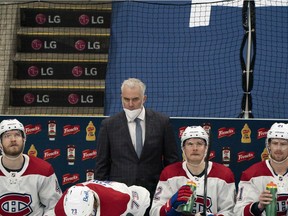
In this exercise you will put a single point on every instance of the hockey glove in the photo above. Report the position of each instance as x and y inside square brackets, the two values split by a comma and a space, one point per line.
[179, 198]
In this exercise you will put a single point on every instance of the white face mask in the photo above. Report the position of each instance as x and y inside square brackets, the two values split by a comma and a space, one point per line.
[132, 114]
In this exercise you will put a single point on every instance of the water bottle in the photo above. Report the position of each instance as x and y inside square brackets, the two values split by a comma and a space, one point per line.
[271, 209]
[187, 208]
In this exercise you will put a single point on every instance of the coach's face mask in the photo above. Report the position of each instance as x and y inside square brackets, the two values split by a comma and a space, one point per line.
[132, 114]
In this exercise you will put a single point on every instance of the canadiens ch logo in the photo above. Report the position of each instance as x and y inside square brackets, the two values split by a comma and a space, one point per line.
[15, 204]
[199, 204]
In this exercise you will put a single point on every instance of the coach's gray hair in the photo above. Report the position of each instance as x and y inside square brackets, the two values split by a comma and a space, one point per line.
[132, 83]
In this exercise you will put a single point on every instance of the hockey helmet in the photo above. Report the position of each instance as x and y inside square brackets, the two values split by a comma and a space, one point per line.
[79, 200]
[278, 130]
[194, 132]
[11, 124]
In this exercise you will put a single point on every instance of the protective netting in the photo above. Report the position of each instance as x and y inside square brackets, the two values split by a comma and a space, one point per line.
[187, 53]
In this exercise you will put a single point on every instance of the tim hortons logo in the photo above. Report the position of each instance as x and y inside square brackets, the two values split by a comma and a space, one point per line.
[225, 132]
[71, 129]
[88, 154]
[51, 153]
[32, 129]
[262, 133]
[68, 178]
[245, 156]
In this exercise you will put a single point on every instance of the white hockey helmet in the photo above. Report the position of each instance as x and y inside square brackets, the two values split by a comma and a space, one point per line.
[11, 124]
[194, 132]
[278, 131]
[79, 201]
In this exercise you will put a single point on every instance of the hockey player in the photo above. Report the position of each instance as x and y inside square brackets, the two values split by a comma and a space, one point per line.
[28, 185]
[252, 195]
[103, 198]
[172, 191]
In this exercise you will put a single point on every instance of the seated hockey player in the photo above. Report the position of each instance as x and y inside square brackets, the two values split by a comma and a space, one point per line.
[172, 191]
[103, 198]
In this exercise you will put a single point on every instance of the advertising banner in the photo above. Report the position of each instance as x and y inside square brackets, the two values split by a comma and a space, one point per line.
[41, 17]
[56, 97]
[60, 70]
[69, 143]
[56, 43]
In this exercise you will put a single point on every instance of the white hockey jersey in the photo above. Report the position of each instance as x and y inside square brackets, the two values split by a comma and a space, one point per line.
[253, 182]
[220, 188]
[32, 191]
[116, 199]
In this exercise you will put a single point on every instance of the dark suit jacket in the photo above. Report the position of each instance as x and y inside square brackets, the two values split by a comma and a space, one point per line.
[116, 157]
